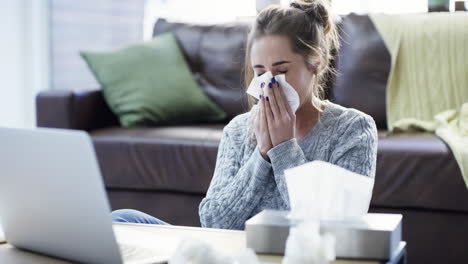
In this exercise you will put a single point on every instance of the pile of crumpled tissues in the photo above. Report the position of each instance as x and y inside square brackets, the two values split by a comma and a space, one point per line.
[304, 245]
[195, 251]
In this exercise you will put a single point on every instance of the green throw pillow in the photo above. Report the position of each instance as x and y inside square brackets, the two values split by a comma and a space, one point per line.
[151, 84]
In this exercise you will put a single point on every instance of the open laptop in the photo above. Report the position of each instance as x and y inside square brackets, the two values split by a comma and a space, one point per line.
[53, 201]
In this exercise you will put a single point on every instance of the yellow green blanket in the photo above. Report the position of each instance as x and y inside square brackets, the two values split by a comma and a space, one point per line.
[428, 83]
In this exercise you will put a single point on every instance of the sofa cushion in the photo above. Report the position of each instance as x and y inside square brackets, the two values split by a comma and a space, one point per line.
[180, 158]
[215, 54]
[150, 83]
[363, 66]
[417, 170]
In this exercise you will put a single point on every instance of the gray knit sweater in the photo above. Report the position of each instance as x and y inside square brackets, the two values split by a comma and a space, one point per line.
[244, 183]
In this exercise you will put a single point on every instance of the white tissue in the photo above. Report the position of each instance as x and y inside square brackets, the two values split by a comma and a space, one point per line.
[322, 191]
[306, 245]
[195, 251]
[291, 95]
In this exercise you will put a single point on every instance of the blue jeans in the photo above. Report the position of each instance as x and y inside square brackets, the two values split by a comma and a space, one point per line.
[134, 216]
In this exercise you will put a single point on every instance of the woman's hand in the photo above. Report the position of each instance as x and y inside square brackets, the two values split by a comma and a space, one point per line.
[261, 130]
[280, 117]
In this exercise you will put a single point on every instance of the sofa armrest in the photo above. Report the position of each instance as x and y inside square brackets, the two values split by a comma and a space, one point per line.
[82, 110]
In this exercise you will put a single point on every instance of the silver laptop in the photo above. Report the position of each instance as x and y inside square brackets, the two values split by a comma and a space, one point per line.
[53, 201]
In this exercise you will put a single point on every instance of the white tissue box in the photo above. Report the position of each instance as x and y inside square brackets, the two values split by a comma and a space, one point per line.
[376, 236]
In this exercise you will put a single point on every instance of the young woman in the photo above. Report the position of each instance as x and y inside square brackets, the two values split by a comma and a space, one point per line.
[258, 146]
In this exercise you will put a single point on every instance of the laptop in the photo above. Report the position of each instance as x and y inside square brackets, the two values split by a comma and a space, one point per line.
[53, 200]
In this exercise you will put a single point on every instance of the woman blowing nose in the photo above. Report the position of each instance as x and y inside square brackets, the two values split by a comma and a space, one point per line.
[258, 146]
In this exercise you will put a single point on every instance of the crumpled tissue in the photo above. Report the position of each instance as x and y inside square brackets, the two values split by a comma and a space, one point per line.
[306, 245]
[196, 251]
[291, 95]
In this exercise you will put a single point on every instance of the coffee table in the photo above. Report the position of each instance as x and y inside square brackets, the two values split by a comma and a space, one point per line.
[166, 238]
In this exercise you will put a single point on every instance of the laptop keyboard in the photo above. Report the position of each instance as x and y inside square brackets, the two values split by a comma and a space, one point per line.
[135, 253]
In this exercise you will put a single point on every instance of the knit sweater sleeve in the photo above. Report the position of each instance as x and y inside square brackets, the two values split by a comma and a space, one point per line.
[356, 150]
[235, 189]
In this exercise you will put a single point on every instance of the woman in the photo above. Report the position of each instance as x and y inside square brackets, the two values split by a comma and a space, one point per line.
[258, 146]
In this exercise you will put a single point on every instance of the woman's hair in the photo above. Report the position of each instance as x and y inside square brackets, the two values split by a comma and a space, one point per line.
[310, 30]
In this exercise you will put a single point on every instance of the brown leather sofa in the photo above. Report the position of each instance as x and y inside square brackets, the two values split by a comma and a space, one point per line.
[165, 171]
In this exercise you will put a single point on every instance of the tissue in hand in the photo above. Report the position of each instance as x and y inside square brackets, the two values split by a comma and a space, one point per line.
[322, 191]
[291, 95]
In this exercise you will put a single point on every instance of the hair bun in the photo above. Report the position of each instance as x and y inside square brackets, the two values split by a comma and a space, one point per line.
[316, 11]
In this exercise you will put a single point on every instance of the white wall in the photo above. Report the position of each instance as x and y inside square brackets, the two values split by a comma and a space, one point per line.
[24, 57]
[11, 63]
[200, 11]
[89, 25]
[379, 6]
